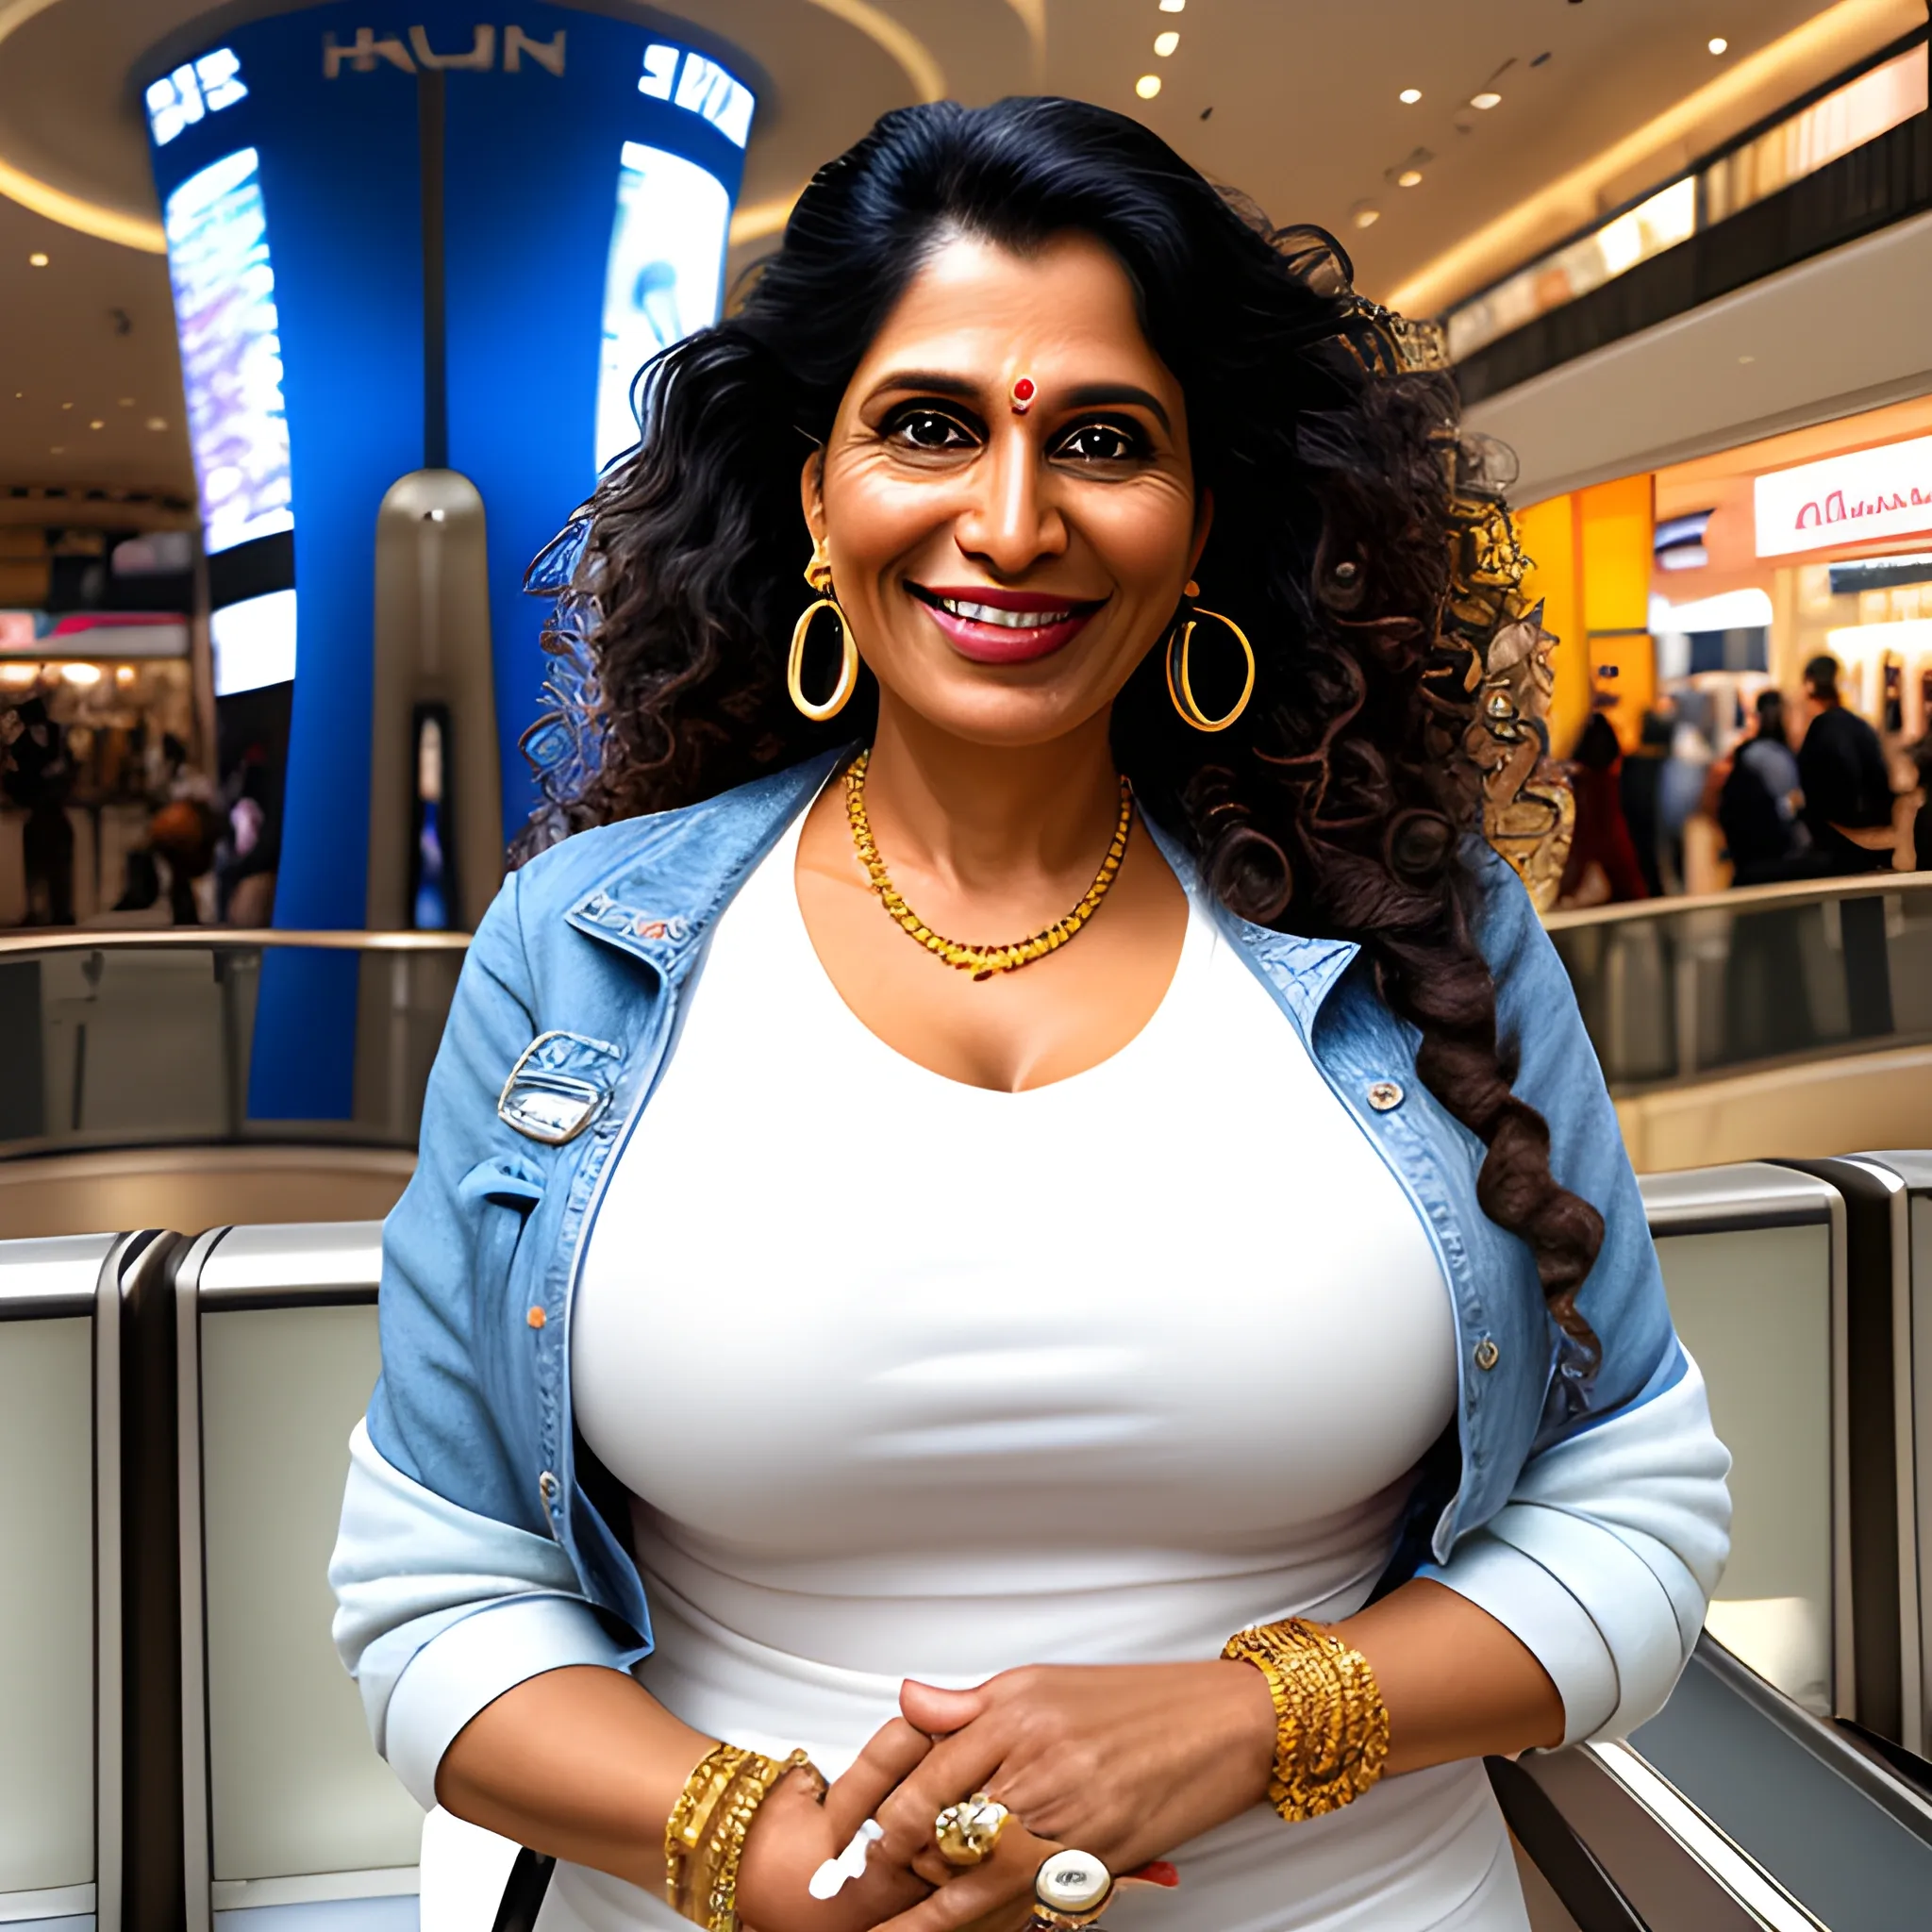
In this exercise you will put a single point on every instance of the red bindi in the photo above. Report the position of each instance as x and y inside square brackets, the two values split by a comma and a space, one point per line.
[1024, 392]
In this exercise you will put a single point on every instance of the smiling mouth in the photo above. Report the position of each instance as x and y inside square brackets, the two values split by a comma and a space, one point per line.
[1017, 628]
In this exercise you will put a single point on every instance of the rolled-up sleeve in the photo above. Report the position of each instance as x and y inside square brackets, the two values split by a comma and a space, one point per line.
[440, 1611]
[1604, 1558]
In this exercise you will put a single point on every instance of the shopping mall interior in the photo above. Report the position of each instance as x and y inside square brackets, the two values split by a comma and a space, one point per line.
[317, 323]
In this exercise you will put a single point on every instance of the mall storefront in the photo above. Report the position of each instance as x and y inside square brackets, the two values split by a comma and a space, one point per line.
[1692, 589]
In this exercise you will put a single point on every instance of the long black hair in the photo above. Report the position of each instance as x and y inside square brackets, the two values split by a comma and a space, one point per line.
[1344, 542]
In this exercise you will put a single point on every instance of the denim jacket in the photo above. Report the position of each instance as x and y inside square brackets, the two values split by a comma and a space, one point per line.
[1587, 1511]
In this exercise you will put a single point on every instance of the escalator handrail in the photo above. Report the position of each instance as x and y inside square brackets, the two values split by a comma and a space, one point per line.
[1861, 885]
[125, 939]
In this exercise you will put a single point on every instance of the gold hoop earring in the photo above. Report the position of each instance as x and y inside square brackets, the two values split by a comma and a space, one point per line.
[1179, 687]
[818, 575]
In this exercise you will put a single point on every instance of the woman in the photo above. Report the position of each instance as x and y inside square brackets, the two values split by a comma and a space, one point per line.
[954, 1360]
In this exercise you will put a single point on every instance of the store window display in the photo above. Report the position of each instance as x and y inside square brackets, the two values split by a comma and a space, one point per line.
[1022, 1220]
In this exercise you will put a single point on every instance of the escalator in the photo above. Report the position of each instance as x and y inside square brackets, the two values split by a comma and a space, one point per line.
[198, 1395]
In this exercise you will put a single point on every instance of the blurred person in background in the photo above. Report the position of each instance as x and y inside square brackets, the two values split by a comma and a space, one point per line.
[1757, 805]
[37, 773]
[1602, 868]
[1637, 790]
[1842, 769]
[1680, 793]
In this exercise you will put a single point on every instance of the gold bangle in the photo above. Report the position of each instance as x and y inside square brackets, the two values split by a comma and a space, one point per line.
[1331, 1726]
[684, 1830]
[714, 1905]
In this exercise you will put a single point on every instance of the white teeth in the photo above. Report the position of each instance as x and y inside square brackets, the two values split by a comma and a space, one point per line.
[1007, 620]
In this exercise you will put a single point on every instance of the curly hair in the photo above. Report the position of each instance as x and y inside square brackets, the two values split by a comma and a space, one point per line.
[1348, 512]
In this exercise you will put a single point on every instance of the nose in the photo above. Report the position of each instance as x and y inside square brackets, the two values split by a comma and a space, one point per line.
[1012, 521]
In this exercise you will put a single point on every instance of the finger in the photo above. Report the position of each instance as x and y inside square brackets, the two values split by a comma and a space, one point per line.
[936, 1711]
[890, 1755]
[954, 1768]
[970, 1896]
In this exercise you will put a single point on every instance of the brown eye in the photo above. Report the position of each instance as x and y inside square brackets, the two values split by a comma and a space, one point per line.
[931, 429]
[1100, 443]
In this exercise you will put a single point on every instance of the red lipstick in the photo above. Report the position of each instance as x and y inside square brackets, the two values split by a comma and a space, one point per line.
[991, 626]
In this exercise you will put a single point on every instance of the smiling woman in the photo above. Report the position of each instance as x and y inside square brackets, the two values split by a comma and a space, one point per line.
[1213, 1331]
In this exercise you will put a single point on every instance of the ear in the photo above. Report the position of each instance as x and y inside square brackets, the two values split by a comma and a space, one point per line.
[811, 496]
[1204, 522]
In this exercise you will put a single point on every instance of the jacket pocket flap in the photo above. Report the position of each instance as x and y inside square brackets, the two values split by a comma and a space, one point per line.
[561, 1083]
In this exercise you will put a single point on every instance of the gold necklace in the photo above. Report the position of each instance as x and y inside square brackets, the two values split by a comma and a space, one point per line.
[981, 962]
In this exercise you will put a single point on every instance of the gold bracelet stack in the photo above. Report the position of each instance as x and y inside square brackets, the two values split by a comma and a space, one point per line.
[1332, 1727]
[704, 1835]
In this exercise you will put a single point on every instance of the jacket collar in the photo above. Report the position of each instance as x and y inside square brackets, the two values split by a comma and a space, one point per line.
[678, 871]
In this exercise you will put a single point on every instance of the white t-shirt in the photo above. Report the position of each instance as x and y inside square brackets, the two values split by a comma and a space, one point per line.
[909, 1378]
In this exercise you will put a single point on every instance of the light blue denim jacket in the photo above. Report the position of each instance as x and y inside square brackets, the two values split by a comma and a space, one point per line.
[1590, 1514]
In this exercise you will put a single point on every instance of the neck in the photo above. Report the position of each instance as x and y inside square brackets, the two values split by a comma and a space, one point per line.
[984, 815]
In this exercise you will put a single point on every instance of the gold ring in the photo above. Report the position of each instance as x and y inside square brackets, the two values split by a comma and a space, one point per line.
[968, 1831]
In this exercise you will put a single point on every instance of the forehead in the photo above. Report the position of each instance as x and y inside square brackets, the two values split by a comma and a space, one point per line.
[978, 308]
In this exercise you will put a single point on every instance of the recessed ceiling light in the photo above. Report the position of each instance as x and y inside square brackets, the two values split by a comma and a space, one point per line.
[1409, 177]
[1720, 45]
[1409, 96]
[97, 424]
[1486, 100]
[67, 406]
[126, 402]
[37, 259]
[1164, 44]
[1174, 6]
[157, 421]
[1148, 86]
[59, 449]
[1367, 215]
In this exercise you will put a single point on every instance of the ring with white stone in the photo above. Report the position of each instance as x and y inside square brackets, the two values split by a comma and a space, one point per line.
[1070, 1889]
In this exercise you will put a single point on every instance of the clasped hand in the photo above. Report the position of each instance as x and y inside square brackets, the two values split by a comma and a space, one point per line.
[1125, 1761]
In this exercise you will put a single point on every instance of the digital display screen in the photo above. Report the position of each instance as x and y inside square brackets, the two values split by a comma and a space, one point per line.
[254, 643]
[664, 276]
[231, 352]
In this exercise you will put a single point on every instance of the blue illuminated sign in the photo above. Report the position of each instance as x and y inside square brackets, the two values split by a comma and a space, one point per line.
[197, 89]
[231, 351]
[703, 88]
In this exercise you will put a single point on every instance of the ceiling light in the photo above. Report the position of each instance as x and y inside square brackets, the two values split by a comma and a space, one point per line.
[19, 674]
[126, 402]
[1409, 96]
[1409, 177]
[67, 406]
[1720, 45]
[1148, 86]
[124, 674]
[1367, 215]
[97, 424]
[1164, 44]
[81, 674]
[157, 421]
[1174, 6]
[37, 259]
[59, 449]
[1486, 100]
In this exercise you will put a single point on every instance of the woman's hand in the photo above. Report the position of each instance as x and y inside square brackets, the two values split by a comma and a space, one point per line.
[794, 1834]
[1125, 1761]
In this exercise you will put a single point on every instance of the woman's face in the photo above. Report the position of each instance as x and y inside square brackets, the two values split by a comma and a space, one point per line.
[1003, 571]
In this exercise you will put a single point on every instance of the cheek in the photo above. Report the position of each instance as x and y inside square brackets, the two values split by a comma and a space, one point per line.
[876, 515]
[1142, 534]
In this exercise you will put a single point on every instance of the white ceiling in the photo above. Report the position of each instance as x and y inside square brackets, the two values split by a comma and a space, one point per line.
[1294, 101]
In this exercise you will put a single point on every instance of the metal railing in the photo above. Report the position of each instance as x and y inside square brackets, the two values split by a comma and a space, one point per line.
[1678, 990]
[195, 1035]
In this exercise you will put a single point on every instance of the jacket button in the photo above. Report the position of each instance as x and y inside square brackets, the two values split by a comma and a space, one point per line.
[536, 1318]
[1384, 1095]
[1487, 1353]
[546, 1488]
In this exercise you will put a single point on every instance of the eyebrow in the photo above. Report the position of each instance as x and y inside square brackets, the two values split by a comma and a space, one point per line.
[1092, 396]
